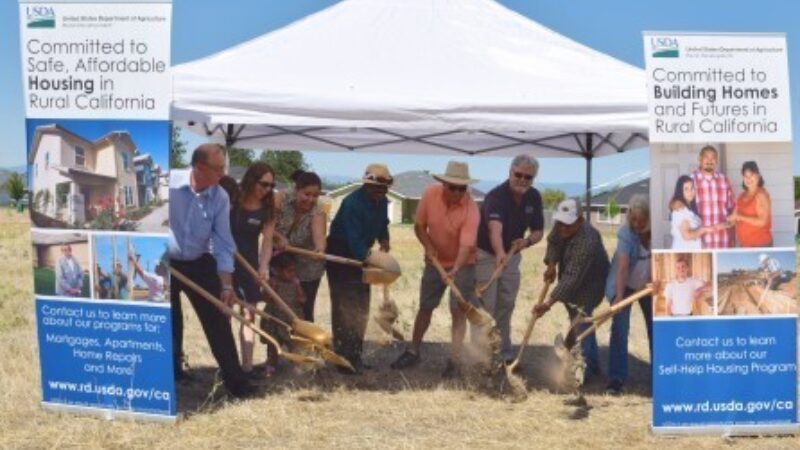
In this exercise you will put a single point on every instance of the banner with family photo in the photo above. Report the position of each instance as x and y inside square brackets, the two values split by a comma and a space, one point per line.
[96, 81]
[722, 196]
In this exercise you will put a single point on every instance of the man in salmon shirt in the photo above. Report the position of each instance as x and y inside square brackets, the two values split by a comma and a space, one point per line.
[447, 226]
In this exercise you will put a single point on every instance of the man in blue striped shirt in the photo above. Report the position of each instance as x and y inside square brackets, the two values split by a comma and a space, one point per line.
[201, 247]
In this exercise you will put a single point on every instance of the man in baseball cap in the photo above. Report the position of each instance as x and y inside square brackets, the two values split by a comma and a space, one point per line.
[577, 248]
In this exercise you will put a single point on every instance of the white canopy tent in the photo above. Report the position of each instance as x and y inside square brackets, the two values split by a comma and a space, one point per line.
[416, 76]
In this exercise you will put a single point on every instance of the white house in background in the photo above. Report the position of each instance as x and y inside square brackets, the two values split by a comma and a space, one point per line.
[72, 178]
[403, 196]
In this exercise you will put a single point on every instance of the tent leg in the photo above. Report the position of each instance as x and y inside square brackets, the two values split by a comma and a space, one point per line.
[589, 154]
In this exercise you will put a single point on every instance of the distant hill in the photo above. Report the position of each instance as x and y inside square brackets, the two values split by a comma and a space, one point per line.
[570, 189]
[331, 182]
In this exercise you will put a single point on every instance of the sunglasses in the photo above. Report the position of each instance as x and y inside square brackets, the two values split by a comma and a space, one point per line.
[455, 188]
[266, 184]
[523, 176]
[378, 179]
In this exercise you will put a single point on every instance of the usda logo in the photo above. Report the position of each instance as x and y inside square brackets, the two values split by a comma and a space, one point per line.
[664, 47]
[41, 17]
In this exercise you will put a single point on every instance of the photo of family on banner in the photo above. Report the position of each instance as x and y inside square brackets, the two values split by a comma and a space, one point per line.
[722, 196]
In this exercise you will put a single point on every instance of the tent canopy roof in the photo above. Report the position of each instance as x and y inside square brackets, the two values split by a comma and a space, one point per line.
[415, 76]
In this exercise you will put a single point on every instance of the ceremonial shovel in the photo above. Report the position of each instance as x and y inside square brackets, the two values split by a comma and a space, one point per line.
[479, 290]
[476, 316]
[307, 330]
[517, 384]
[383, 269]
[294, 357]
[569, 352]
[326, 353]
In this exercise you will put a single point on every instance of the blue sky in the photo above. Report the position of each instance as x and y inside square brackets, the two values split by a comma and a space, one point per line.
[726, 262]
[150, 248]
[149, 136]
[202, 27]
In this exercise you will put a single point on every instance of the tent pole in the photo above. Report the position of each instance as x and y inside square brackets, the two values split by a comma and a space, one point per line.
[229, 140]
[589, 155]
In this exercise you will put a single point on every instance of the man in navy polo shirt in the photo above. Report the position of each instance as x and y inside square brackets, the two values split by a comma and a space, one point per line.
[507, 212]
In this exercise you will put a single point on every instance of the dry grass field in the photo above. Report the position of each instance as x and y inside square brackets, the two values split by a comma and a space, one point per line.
[383, 409]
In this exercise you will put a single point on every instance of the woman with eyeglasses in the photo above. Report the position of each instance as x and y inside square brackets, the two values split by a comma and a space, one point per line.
[253, 217]
[301, 223]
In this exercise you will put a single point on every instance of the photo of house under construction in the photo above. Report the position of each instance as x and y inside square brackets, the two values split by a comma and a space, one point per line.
[130, 267]
[756, 282]
[682, 284]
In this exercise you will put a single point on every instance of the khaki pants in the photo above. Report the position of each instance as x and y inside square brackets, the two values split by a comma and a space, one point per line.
[500, 298]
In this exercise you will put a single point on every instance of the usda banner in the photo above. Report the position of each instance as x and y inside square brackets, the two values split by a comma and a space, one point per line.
[724, 262]
[97, 94]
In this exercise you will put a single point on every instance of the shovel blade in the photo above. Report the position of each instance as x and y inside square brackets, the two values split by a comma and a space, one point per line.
[312, 332]
[374, 275]
[335, 358]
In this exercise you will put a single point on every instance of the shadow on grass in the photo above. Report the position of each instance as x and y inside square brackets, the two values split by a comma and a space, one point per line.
[537, 368]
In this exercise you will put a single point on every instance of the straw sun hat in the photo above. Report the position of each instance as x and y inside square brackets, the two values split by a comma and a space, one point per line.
[377, 174]
[457, 173]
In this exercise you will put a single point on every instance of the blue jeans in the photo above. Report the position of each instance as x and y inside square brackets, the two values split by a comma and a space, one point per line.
[618, 345]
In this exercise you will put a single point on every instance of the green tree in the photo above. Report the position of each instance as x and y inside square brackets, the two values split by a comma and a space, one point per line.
[552, 197]
[797, 188]
[241, 157]
[15, 186]
[284, 162]
[177, 150]
[612, 209]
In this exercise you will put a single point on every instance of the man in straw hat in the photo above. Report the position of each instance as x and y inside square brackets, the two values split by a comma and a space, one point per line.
[508, 211]
[361, 220]
[583, 266]
[446, 224]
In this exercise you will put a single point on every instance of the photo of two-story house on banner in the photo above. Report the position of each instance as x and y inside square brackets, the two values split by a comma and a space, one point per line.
[102, 183]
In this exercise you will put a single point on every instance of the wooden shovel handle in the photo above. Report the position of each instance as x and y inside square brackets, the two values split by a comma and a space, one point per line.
[531, 323]
[261, 313]
[221, 305]
[465, 305]
[497, 271]
[271, 292]
[613, 311]
[324, 256]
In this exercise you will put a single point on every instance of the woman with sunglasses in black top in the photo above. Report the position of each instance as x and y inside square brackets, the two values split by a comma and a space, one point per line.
[253, 216]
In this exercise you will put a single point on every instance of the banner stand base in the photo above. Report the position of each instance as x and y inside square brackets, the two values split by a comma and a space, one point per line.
[108, 414]
[727, 430]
